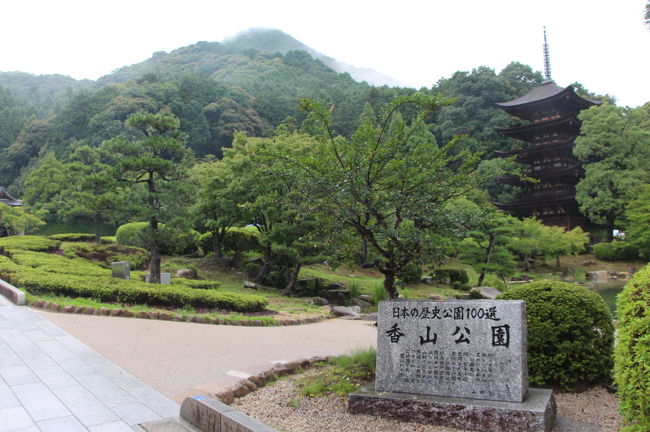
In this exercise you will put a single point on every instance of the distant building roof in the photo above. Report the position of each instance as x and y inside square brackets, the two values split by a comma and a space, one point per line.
[5, 198]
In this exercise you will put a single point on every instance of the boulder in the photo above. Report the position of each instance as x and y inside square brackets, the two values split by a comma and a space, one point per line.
[320, 301]
[249, 284]
[487, 292]
[351, 312]
[436, 297]
[365, 297]
[361, 303]
[186, 273]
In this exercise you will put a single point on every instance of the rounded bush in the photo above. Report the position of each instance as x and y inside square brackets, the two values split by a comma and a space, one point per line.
[570, 333]
[171, 242]
[237, 239]
[632, 353]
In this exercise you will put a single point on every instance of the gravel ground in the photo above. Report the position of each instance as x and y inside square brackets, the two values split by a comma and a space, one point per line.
[279, 405]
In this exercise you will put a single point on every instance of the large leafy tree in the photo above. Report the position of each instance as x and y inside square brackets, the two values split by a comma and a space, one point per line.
[15, 220]
[155, 160]
[637, 227]
[614, 151]
[385, 182]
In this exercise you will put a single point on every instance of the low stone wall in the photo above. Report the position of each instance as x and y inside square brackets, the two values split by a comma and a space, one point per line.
[12, 293]
[210, 415]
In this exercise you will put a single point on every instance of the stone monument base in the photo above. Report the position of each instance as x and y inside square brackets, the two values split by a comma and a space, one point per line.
[535, 414]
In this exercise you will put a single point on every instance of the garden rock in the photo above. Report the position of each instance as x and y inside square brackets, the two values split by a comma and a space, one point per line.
[488, 292]
[365, 297]
[436, 297]
[320, 301]
[361, 303]
[186, 273]
[351, 312]
[249, 284]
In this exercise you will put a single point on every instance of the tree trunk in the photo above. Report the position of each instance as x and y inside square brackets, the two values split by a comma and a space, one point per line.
[97, 223]
[481, 275]
[293, 280]
[557, 260]
[154, 266]
[363, 253]
[389, 284]
[266, 267]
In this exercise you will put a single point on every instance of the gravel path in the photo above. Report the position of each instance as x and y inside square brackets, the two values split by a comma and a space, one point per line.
[280, 406]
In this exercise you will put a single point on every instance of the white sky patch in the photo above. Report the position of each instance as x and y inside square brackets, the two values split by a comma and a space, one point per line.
[600, 43]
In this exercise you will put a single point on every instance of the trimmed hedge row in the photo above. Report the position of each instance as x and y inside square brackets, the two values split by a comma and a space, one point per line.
[237, 239]
[131, 292]
[73, 237]
[30, 243]
[57, 264]
[632, 352]
[103, 254]
[570, 333]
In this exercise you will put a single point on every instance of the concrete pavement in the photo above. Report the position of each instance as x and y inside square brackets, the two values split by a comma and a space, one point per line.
[52, 382]
[182, 359]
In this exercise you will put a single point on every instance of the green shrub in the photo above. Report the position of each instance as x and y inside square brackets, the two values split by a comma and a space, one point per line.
[108, 239]
[632, 352]
[52, 263]
[132, 292]
[105, 254]
[73, 237]
[31, 243]
[172, 242]
[456, 277]
[237, 239]
[616, 251]
[570, 333]
[411, 273]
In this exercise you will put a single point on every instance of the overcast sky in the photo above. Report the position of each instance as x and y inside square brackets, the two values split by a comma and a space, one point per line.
[601, 43]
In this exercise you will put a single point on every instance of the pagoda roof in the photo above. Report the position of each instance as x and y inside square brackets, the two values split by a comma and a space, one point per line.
[524, 132]
[5, 198]
[547, 93]
[539, 148]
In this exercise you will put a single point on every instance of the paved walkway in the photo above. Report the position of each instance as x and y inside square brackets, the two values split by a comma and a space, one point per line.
[184, 359]
[52, 382]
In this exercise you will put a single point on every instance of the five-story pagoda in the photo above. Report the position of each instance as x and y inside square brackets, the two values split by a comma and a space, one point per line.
[551, 112]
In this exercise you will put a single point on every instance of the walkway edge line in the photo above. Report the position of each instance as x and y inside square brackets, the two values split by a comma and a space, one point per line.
[210, 415]
[12, 293]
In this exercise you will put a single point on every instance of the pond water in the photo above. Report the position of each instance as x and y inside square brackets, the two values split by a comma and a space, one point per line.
[608, 290]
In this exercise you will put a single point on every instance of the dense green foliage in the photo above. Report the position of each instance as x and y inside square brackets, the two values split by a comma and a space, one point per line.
[637, 226]
[105, 254]
[570, 333]
[616, 251]
[171, 241]
[632, 352]
[68, 275]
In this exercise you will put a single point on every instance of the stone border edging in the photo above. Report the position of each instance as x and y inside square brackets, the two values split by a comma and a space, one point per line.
[199, 319]
[210, 415]
[252, 383]
[12, 293]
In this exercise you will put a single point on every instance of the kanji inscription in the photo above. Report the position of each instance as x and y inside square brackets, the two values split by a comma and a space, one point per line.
[474, 349]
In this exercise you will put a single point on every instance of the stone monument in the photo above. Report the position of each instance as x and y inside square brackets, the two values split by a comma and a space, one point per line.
[121, 270]
[455, 363]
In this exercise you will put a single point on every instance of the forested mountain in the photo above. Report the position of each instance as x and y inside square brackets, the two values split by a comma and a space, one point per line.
[250, 83]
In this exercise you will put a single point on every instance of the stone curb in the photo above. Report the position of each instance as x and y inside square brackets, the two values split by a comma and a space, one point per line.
[12, 293]
[253, 382]
[210, 415]
[167, 316]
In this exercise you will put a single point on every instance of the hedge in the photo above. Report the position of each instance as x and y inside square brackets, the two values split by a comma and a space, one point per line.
[570, 333]
[108, 289]
[57, 264]
[105, 254]
[632, 352]
[31, 243]
[73, 237]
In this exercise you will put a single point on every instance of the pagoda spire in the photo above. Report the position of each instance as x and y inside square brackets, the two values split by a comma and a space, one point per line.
[547, 59]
